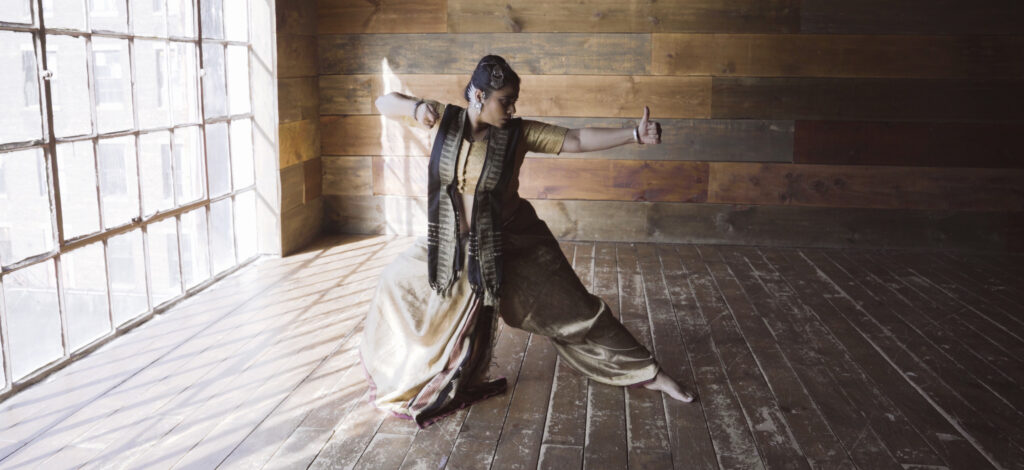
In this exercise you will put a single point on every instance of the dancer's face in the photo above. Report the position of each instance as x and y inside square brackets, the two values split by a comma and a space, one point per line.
[499, 106]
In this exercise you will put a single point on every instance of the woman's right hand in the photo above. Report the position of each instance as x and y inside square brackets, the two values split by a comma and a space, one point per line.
[426, 115]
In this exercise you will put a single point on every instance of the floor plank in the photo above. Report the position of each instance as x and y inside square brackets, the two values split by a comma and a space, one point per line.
[801, 358]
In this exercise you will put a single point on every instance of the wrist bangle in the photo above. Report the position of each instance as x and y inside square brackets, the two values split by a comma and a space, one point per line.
[416, 108]
[636, 135]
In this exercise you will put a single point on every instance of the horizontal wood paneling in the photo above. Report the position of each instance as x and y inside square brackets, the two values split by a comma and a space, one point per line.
[348, 176]
[312, 170]
[980, 145]
[292, 187]
[534, 53]
[296, 17]
[873, 187]
[682, 139]
[556, 178]
[817, 55]
[623, 16]
[695, 139]
[301, 225]
[866, 99]
[717, 223]
[372, 135]
[299, 141]
[297, 99]
[296, 55]
[376, 214]
[613, 180]
[540, 95]
[400, 176]
[911, 17]
[391, 16]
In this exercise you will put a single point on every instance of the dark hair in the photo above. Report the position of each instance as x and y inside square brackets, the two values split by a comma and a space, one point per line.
[492, 73]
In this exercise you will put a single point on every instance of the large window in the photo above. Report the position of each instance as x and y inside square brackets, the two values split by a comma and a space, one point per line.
[126, 166]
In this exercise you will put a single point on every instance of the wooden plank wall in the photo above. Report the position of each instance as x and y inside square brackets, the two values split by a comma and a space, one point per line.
[301, 169]
[787, 122]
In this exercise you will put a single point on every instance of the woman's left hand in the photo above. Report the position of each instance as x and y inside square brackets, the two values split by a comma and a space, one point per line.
[649, 131]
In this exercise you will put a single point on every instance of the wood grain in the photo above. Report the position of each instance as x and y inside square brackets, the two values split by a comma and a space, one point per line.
[296, 55]
[860, 186]
[867, 99]
[911, 17]
[823, 364]
[801, 413]
[348, 176]
[298, 99]
[542, 95]
[297, 17]
[292, 190]
[936, 144]
[372, 135]
[613, 180]
[301, 225]
[617, 16]
[532, 53]
[299, 141]
[312, 170]
[828, 55]
[391, 16]
[550, 178]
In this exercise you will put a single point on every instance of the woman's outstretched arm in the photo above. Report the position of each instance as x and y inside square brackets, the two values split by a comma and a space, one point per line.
[590, 139]
[396, 104]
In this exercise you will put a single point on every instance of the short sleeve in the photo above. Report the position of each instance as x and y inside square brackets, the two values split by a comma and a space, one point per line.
[543, 138]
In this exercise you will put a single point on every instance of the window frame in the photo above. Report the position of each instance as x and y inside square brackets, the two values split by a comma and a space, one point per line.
[48, 143]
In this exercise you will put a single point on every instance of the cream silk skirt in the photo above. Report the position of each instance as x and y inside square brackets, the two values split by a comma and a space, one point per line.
[426, 355]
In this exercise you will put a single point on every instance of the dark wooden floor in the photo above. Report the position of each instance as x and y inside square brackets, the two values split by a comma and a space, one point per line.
[801, 358]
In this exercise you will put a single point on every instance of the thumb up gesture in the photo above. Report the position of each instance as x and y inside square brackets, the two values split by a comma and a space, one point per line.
[648, 132]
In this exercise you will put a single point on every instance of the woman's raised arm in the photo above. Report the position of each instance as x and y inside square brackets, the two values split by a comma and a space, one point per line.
[396, 104]
[589, 139]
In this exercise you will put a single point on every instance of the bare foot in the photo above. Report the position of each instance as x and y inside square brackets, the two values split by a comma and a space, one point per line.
[663, 383]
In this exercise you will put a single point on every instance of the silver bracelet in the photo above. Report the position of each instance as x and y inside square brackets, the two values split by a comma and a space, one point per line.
[636, 135]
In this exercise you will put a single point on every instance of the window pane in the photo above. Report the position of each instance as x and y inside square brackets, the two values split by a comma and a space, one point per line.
[195, 259]
[68, 14]
[238, 79]
[149, 18]
[119, 182]
[236, 19]
[212, 16]
[163, 256]
[77, 170]
[21, 119]
[245, 224]
[33, 318]
[214, 93]
[181, 21]
[108, 15]
[184, 83]
[85, 295]
[222, 237]
[15, 11]
[26, 218]
[189, 177]
[152, 84]
[112, 82]
[218, 162]
[127, 276]
[72, 113]
[157, 177]
[241, 153]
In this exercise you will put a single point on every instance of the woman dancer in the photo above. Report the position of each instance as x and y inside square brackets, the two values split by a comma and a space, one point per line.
[429, 331]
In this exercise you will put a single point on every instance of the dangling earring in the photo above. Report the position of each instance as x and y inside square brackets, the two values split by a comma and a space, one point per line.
[477, 105]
